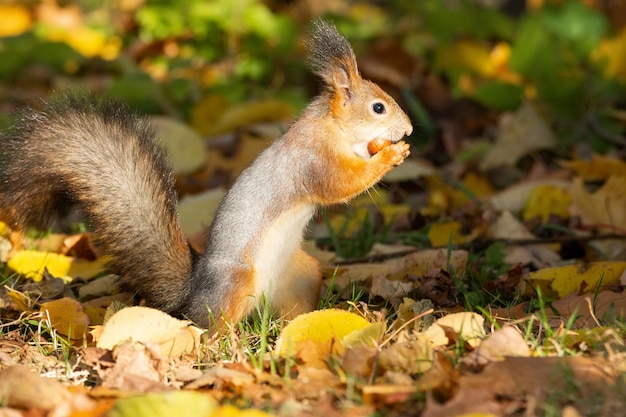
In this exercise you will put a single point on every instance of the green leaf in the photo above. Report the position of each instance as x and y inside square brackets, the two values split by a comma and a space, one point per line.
[499, 95]
[580, 26]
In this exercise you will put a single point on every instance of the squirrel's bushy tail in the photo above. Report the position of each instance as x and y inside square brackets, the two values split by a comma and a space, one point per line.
[99, 155]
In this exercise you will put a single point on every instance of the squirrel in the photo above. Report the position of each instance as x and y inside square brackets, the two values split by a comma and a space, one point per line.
[100, 155]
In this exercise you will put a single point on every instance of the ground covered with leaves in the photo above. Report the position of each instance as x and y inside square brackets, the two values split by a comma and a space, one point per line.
[484, 277]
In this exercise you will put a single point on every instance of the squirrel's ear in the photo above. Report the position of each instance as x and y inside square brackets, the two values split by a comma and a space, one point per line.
[331, 57]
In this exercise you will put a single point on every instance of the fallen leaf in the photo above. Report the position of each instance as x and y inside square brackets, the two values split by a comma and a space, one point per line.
[518, 377]
[600, 304]
[602, 207]
[599, 168]
[507, 226]
[138, 367]
[196, 211]
[21, 388]
[325, 328]
[220, 374]
[449, 233]
[174, 337]
[507, 341]
[468, 326]
[578, 278]
[415, 355]
[33, 263]
[67, 316]
[174, 403]
[514, 198]
[369, 335]
[520, 134]
[184, 147]
[547, 200]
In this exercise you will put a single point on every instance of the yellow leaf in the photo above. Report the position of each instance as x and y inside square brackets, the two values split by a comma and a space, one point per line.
[547, 200]
[325, 328]
[32, 263]
[369, 335]
[90, 42]
[466, 55]
[14, 19]
[213, 115]
[174, 337]
[599, 168]
[612, 52]
[21, 300]
[67, 316]
[232, 411]
[476, 185]
[443, 234]
[563, 280]
[174, 403]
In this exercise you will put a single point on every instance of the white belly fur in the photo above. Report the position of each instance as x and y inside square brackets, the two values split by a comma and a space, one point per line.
[277, 247]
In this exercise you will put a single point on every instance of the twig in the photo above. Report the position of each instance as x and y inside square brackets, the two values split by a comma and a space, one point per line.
[484, 243]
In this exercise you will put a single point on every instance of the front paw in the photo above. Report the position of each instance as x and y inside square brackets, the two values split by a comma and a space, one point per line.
[395, 153]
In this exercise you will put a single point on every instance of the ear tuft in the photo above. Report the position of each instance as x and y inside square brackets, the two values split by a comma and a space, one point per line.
[331, 57]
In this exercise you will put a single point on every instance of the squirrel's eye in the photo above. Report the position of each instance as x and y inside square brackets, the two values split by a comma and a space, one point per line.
[378, 108]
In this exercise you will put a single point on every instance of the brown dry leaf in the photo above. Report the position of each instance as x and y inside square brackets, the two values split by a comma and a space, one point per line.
[516, 377]
[519, 134]
[469, 327]
[184, 147]
[21, 388]
[603, 209]
[588, 306]
[220, 375]
[416, 354]
[358, 361]
[105, 285]
[387, 393]
[507, 341]
[314, 383]
[508, 226]
[67, 316]
[395, 271]
[174, 337]
[138, 367]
